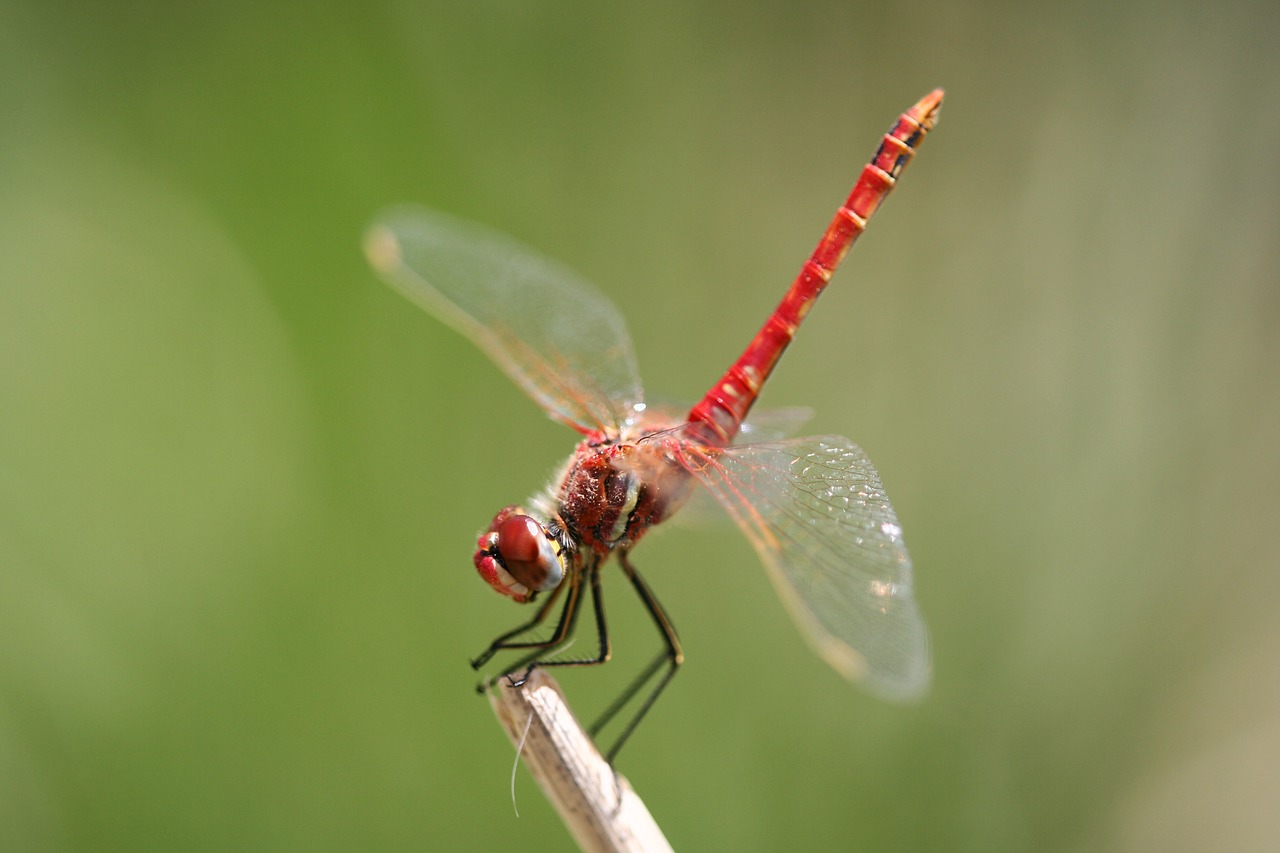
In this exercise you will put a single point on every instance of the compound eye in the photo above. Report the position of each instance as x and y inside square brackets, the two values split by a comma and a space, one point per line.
[518, 539]
[529, 554]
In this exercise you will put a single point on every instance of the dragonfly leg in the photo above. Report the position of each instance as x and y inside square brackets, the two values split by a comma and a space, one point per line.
[672, 656]
[564, 630]
[535, 660]
[502, 641]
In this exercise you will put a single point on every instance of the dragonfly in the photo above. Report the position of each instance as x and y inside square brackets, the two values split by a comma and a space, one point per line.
[814, 509]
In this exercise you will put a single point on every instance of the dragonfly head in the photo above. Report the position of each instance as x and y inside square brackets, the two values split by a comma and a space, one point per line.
[519, 556]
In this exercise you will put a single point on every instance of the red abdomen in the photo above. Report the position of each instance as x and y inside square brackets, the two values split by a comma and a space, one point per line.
[717, 419]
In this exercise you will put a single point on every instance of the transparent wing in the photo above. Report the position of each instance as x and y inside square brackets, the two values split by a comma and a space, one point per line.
[700, 509]
[557, 336]
[772, 424]
[764, 424]
[817, 515]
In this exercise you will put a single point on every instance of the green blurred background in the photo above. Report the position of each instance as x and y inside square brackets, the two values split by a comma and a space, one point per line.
[240, 478]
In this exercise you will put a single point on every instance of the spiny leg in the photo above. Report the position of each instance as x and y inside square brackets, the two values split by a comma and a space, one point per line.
[532, 662]
[500, 643]
[564, 629]
[672, 656]
[628, 693]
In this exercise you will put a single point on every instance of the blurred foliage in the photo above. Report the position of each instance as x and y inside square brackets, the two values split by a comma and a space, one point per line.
[239, 479]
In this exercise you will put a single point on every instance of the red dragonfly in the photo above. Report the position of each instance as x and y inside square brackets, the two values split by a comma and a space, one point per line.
[813, 508]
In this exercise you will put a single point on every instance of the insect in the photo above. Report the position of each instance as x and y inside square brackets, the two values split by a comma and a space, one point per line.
[813, 508]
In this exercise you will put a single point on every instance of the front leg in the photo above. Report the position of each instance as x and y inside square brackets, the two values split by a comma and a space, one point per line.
[531, 662]
[500, 643]
[564, 629]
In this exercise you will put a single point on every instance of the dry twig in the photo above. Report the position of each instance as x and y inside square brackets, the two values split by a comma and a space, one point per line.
[595, 802]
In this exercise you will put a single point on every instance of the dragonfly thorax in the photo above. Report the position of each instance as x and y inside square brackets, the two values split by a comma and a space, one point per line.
[610, 493]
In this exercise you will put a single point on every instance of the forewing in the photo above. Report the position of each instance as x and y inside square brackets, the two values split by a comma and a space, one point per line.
[557, 336]
[818, 516]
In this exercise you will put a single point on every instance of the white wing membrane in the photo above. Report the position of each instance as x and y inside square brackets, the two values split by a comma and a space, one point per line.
[818, 516]
[553, 333]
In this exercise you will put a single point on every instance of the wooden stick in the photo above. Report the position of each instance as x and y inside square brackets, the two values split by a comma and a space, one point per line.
[595, 802]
